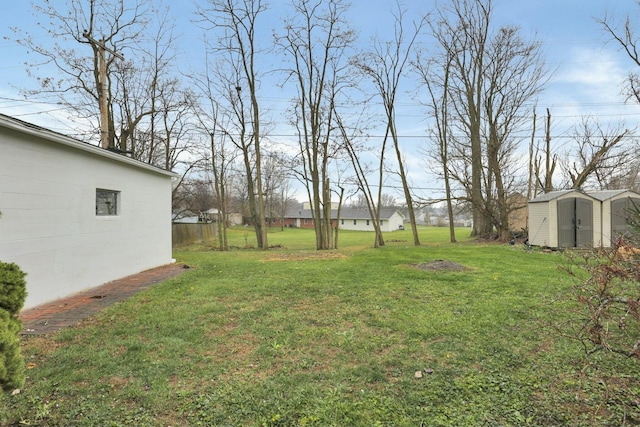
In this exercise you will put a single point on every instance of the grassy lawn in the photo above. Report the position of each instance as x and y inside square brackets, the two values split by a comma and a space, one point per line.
[295, 337]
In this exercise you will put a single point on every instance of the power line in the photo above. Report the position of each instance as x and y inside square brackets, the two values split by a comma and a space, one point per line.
[38, 112]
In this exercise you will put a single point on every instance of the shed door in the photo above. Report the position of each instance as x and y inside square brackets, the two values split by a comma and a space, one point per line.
[584, 223]
[566, 223]
[621, 214]
[575, 223]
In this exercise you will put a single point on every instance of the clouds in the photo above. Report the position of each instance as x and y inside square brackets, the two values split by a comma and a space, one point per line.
[589, 82]
[592, 67]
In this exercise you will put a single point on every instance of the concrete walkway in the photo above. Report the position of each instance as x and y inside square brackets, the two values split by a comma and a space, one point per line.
[69, 311]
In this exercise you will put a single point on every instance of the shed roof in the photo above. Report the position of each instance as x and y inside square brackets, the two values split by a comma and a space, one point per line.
[552, 195]
[610, 194]
[16, 125]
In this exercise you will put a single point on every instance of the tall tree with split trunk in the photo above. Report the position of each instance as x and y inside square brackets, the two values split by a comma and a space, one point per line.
[84, 80]
[316, 41]
[494, 73]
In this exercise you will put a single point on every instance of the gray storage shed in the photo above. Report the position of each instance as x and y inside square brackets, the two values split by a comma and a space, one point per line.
[615, 206]
[565, 219]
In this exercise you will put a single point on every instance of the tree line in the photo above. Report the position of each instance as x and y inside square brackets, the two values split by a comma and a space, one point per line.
[476, 82]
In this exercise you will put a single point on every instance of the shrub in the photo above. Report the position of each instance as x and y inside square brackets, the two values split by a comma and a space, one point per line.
[12, 295]
[610, 299]
[13, 290]
[11, 362]
[606, 316]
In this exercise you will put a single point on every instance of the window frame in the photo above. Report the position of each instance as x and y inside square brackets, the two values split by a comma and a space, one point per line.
[110, 201]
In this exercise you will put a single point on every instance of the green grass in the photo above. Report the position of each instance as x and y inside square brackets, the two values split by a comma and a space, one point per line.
[295, 337]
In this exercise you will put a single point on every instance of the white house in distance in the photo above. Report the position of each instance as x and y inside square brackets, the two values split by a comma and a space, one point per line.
[75, 216]
[573, 218]
[357, 219]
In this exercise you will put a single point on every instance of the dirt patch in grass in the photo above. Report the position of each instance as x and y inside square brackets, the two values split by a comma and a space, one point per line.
[303, 256]
[440, 265]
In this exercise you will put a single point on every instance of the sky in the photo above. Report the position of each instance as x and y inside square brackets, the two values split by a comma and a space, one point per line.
[588, 69]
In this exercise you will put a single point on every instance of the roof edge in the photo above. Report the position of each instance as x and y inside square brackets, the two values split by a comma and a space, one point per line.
[47, 134]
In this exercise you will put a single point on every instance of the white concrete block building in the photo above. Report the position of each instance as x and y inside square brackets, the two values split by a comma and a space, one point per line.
[75, 216]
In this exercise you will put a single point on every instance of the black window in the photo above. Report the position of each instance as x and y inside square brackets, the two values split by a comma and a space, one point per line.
[107, 202]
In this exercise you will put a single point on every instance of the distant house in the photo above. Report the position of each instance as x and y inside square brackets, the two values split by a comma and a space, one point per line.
[75, 216]
[350, 218]
[211, 215]
[573, 218]
[185, 217]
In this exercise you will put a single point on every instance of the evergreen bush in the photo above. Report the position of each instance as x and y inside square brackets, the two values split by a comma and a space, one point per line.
[13, 290]
[12, 373]
[12, 295]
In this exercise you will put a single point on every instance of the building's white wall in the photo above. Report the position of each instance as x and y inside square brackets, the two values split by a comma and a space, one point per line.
[360, 225]
[388, 224]
[394, 223]
[539, 224]
[49, 227]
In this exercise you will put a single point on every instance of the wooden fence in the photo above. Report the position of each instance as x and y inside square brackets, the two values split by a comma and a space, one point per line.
[186, 234]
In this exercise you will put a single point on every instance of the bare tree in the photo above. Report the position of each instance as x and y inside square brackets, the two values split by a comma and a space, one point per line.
[626, 36]
[277, 186]
[210, 125]
[385, 65]
[315, 39]
[139, 83]
[138, 92]
[462, 31]
[238, 21]
[366, 197]
[493, 74]
[550, 160]
[194, 196]
[437, 84]
[598, 154]
[515, 74]
[114, 25]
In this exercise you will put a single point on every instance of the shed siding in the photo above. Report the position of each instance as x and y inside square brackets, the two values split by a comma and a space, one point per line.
[608, 213]
[49, 226]
[539, 224]
[543, 218]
